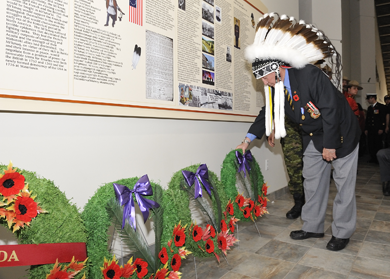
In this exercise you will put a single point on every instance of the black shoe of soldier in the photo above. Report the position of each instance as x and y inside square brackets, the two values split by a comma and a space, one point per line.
[299, 235]
[337, 244]
[294, 213]
[296, 210]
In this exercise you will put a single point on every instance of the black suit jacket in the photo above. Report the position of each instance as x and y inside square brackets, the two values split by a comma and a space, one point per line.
[376, 118]
[336, 128]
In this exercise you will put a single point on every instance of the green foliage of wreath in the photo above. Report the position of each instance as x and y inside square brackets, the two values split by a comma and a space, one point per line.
[97, 221]
[61, 224]
[228, 178]
[176, 209]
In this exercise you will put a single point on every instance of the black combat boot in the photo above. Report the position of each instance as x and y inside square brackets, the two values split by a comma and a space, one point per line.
[296, 210]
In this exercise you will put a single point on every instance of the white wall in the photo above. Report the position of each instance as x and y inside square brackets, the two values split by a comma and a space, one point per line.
[290, 7]
[80, 153]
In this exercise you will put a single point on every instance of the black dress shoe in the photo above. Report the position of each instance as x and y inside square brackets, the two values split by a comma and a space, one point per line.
[386, 188]
[337, 244]
[298, 235]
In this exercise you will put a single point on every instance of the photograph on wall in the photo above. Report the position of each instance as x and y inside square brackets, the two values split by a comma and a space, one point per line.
[159, 66]
[182, 4]
[236, 33]
[228, 54]
[211, 2]
[207, 62]
[208, 77]
[207, 45]
[185, 96]
[207, 12]
[207, 29]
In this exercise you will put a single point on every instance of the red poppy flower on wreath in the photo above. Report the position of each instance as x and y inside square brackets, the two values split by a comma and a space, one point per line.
[240, 200]
[225, 241]
[231, 226]
[179, 236]
[141, 267]
[264, 189]
[209, 246]
[223, 225]
[230, 208]
[11, 183]
[197, 233]
[222, 245]
[111, 270]
[262, 201]
[163, 255]
[176, 262]
[251, 205]
[161, 273]
[212, 230]
[257, 210]
[25, 209]
[247, 212]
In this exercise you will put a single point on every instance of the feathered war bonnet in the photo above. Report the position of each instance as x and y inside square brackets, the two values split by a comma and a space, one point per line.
[285, 42]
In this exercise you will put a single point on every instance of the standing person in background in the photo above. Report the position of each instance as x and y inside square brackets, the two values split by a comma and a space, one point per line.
[375, 126]
[352, 90]
[386, 137]
[330, 131]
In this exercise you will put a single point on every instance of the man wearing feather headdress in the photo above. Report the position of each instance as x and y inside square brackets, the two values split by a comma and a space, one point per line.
[282, 55]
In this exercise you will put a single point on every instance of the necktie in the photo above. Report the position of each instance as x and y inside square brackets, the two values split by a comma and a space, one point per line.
[288, 98]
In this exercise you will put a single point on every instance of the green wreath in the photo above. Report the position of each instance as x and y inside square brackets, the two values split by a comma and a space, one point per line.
[61, 224]
[228, 178]
[176, 208]
[97, 220]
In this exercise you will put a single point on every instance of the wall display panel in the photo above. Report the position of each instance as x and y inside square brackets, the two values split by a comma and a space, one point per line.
[147, 58]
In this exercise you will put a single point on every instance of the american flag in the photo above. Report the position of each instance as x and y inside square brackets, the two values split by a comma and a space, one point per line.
[135, 12]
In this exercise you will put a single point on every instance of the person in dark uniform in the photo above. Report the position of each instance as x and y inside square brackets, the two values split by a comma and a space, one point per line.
[387, 128]
[330, 130]
[375, 126]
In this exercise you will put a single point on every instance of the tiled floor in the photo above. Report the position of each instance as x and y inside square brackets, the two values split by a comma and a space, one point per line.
[275, 255]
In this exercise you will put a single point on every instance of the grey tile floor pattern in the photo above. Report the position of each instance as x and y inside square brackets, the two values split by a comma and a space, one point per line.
[275, 255]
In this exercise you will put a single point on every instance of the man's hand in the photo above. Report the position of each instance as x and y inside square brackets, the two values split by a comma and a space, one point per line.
[329, 154]
[366, 132]
[380, 132]
[243, 146]
[271, 139]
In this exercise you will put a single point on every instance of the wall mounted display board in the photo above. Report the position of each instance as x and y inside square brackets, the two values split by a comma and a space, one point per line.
[144, 58]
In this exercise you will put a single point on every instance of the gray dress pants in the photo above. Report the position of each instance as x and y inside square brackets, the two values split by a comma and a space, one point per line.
[316, 172]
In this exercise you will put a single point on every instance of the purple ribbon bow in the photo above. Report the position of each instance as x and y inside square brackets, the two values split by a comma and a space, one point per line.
[125, 197]
[201, 174]
[243, 161]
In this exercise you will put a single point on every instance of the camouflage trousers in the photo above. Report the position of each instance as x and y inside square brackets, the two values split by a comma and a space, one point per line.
[292, 150]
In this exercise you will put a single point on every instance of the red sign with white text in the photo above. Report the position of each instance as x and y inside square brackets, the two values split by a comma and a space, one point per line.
[36, 254]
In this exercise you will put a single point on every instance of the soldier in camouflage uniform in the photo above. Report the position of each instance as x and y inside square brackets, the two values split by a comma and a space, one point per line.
[292, 150]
